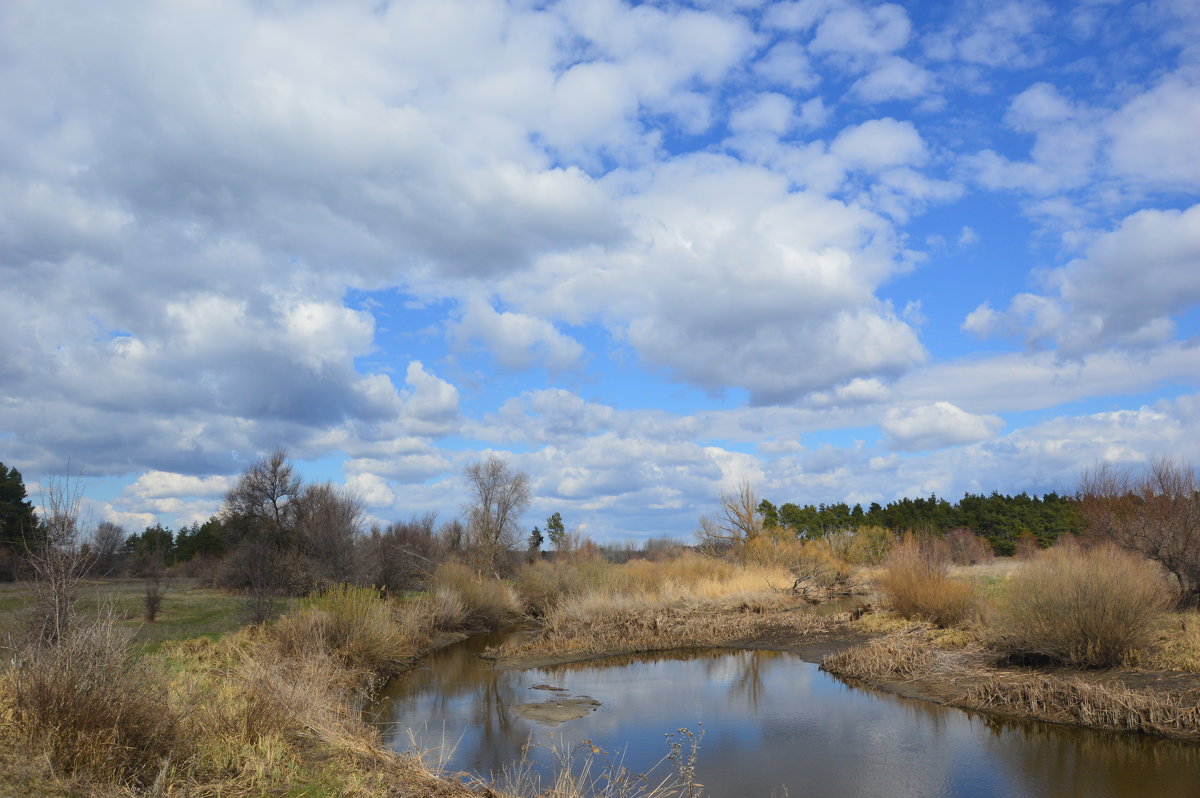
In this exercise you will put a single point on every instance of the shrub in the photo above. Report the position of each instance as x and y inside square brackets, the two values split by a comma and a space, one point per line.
[90, 707]
[871, 545]
[543, 584]
[967, 548]
[917, 584]
[1086, 608]
[488, 601]
[353, 624]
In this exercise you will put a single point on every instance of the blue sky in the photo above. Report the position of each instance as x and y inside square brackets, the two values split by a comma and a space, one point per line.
[843, 250]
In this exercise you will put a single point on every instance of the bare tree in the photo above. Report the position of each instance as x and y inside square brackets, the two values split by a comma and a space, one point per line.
[265, 496]
[738, 521]
[1156, 513]
[58, 561]
[327, 525]
[499, 497]
[106, 543]
[259, 517]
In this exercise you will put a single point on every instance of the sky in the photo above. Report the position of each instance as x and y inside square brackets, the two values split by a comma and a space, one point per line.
[844, 251]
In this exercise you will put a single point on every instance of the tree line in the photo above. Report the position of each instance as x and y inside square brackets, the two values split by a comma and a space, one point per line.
[1002, 520]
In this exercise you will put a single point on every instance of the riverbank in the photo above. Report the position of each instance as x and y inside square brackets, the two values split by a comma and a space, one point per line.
[878, 650]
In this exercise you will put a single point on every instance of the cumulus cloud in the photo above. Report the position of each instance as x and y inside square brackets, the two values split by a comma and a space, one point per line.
[516, 340]
[1124, 290]
[935, 426]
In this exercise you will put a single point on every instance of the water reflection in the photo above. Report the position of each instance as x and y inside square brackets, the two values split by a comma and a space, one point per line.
[773, 723]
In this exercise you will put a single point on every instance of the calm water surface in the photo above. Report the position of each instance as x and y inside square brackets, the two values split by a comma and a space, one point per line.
[773, 725]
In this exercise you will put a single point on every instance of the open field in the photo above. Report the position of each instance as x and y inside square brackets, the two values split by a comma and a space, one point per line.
[188, 610]
[240, 711]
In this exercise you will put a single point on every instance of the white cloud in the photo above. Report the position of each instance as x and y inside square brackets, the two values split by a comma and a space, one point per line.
[1153, 136]
[881, 29]
[515, 339]
[768, 112]
[787, 65]
[1006, 35]
[1124, 290]
[879, 144]
[936, 426]
[894, 78]
[162, 484]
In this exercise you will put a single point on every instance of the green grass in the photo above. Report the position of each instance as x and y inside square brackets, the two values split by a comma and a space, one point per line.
[188, 610]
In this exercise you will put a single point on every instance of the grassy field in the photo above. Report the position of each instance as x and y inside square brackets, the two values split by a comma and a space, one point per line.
[188, 610]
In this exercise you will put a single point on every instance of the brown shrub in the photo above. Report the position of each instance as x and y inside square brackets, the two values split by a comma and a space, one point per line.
[542, 584]
[967, 548]
[90, 707]
[917, 584]
[1082, 607]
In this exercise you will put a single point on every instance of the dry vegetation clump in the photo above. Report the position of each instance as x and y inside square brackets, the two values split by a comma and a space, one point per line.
[967, 548]
[917, 583]
[596, 624]
[488, 602]
[89, 706]
[543, 583]
[1089, 608]
[897, 656]
[655, 605]
[1095, 705]
[1175, 645]
[353, 624]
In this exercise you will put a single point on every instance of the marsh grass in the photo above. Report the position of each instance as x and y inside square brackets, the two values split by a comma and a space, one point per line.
[1078, 701]
[1089, 608]
[487, 602]
[1175, 644]
[895, 657]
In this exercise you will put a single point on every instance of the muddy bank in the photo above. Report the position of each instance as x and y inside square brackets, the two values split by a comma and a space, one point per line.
[914, 662]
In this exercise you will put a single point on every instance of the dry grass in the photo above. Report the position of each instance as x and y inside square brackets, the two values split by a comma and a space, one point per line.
[1081, 607]
[917, 584]
[487, 602]
[353, 624]
[87, 705]
[676, 603]
[1095, 705]
[898, 656]
[1175, 645]
[598, 625]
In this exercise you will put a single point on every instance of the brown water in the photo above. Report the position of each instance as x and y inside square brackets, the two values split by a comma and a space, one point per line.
[773, 725]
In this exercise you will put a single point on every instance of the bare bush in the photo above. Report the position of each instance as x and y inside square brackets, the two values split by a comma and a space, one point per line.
[738, 521]
[327, 526]
[1081, 607]
[1156, 513]
[967, 548]
[92, 708]
[105, 546]
[58, 561]
[402, 556]
[917, 583]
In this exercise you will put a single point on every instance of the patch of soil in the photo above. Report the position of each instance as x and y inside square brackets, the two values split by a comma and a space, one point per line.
[554, 711]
